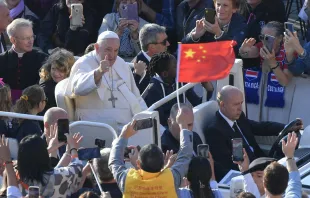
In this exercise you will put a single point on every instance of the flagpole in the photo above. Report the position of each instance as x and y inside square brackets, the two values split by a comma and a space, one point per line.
[178, 69]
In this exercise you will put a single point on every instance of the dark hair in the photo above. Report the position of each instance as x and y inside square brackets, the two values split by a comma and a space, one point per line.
[30, 99]
[89, 194]
[89, 48]
[151, 158]
[62, 59]
[245, 195]
[33, 160]
[275, 178]
[159, 63]
[199, 175]
[277, 26]
[101, 166]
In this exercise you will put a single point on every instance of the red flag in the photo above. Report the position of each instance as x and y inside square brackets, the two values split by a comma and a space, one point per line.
[202, 62]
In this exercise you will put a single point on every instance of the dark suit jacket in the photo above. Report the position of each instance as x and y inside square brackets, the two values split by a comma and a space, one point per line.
[218, 135]
[2, 43]
[145, 82]
[168, 142]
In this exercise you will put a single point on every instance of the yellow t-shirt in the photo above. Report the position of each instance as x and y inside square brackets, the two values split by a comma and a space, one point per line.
[141, 184]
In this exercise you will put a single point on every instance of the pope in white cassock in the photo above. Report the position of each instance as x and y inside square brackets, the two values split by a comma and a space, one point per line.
[103, 85]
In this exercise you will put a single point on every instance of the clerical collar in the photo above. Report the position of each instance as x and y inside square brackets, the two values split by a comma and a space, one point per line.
[229, 121]
[20, 55]
[146, 56]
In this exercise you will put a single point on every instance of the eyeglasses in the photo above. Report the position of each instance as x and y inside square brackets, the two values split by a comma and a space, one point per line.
[29, 38]
[164, 42]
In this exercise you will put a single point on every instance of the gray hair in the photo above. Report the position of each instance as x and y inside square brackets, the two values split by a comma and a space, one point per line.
[101, 166]
[16, 24]
[148, 34]
[175, 108]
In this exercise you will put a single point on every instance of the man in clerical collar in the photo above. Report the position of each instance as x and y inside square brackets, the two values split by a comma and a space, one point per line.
[170, 140]
[20, 65]
[5, 20]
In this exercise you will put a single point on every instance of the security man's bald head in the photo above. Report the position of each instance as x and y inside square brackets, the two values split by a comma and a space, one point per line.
[53, 114]
[230, 100]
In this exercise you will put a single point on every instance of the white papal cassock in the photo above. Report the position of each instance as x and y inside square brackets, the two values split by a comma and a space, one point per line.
[94, 102]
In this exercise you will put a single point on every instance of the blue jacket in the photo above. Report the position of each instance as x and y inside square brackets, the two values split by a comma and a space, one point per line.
[301, 64]
[236, 31]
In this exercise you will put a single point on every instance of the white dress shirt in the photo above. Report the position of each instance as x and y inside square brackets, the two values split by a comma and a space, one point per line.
[231, 124]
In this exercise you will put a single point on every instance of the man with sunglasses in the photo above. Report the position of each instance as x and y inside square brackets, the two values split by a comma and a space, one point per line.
[153, 40]
[20, 65]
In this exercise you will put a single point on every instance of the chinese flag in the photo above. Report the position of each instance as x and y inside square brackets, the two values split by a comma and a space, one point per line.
[202, 62]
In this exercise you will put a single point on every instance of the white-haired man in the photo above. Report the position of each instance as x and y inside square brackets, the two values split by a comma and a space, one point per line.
[103, 84]
[5, 20]
[20, 65]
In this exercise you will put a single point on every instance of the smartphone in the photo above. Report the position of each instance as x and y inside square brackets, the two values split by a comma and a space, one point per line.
[33, 192]
[63, 128]
[143, 124]
[203, 150]
[128, 150]
[89, 153]
[76, 14]
[289, 26]
[130, 11]
[210, 15]
[237, 149]
[269, 42]
[100, 143]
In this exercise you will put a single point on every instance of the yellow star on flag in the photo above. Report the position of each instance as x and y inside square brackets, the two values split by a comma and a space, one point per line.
[204, 51]
[189, 53]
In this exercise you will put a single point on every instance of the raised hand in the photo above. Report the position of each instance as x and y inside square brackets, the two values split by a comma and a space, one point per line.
[5, 154]
[104, 65]
[199, 30]
[243, 165]
[139, 68]
[247, 45]
[128, 130]
[123, 23]
[213, 28]
[268, 57]
[288, 147]
[54, 144]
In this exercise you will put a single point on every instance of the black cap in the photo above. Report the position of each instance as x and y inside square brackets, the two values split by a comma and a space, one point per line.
[259, 164]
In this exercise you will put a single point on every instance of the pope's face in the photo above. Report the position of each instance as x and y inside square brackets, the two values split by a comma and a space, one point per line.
[109, 47]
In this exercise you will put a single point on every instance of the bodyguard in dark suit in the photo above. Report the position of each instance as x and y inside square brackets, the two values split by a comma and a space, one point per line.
[230, 122]
[153, 40]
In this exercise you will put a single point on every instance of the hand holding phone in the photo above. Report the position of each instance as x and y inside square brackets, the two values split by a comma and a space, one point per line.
[210, 15]
[63, 128]
[143, 124]
[289, 27]
[269, 42]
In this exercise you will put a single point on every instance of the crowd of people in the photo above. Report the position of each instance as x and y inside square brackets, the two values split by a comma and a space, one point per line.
[116, 65]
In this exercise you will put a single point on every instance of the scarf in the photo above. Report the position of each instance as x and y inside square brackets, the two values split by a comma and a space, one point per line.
[275, 91]
[14, 12]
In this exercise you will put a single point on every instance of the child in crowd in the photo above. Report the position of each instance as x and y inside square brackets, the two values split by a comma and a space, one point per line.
[32, 102]
[5, 105]
[162, 69]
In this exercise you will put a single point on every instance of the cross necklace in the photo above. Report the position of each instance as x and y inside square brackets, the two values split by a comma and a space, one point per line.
[112, 99]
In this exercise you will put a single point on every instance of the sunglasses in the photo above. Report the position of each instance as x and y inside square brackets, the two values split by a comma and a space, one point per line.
[164, 42]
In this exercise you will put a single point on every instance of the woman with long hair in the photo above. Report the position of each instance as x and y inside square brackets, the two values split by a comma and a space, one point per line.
[56, 68]
[5, 105]
[31, 102]
[34, 166]
[201, 179]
